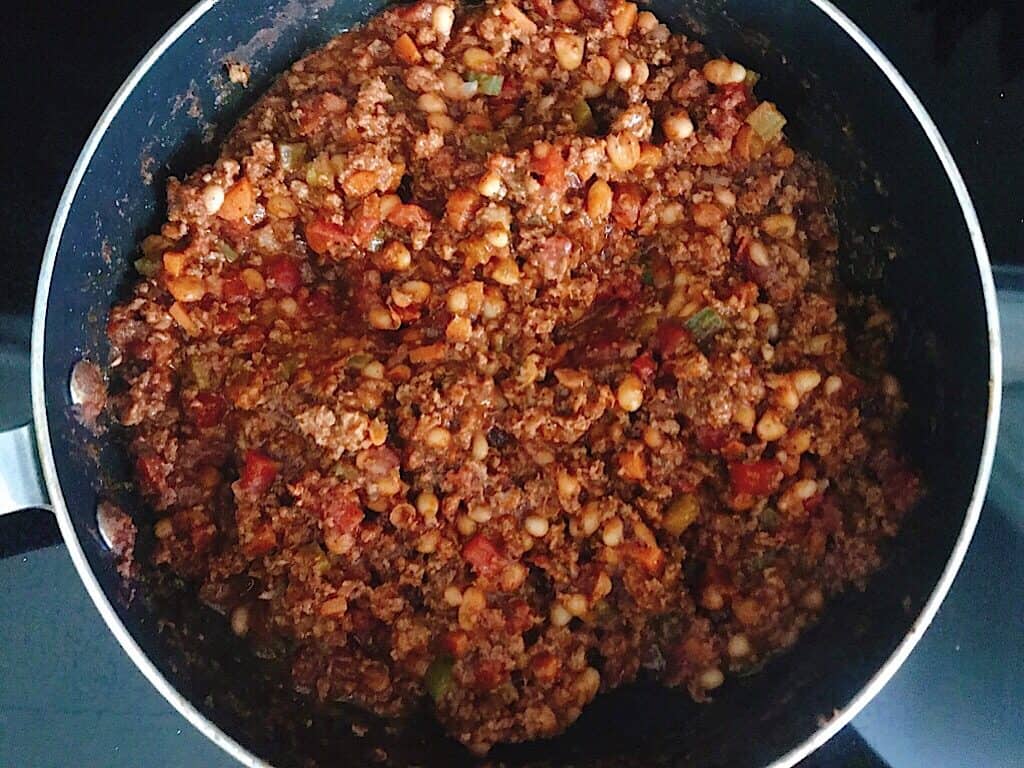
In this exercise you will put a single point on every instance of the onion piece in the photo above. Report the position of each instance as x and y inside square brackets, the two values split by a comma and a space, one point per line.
[766, 121]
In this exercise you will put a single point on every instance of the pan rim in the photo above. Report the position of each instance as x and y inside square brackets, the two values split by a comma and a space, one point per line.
[243, 755]
[45, 449]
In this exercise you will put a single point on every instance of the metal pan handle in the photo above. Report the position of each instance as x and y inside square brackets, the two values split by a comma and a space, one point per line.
[21, 481]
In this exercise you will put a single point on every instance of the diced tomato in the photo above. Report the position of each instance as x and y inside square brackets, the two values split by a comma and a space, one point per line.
[461, 205]
[644, 366]
[737, 92]
[482, 554]
[137, 349]
[733, 450]
[629, 197]
[551, 169]
[315, 109]
[542, 8]
[259, 471]
[202, 536]
[588, 580]
[488, 675]
[614, 299]
[759, 275]
[365, 227]
[711, 438]
[343, 515]
[234, 289]
[322, 235]
[758, 478]
[406, 50]
[743, 248]
[239, 201]
[814, 502]
[669, 335]
[207, 409]
[226, 322]
[503, 109]
[518, 617]
[651, 559]
[511, 88]
[456, 643]
[552, 256]
[745, 293]
[409, 216]
[319, 304]
[724, 117]
[152, 471]
[285, 275]
[550, 161]
[410, 314]
[262, 541]
[684, 484]
[545, 666]
[250, 338]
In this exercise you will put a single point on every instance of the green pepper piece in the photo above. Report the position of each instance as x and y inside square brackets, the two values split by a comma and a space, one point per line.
[148, 267]
[201, 372]
[293, 156]
[480, 145]
[705, 324]
[229, 253]
[377, 241]
[583, 116]
[359, 360]
[488, 85]
[438, 678]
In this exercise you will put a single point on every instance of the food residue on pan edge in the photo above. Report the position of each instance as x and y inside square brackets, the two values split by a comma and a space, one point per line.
[88, 390]
[238, 72]
[117, 528]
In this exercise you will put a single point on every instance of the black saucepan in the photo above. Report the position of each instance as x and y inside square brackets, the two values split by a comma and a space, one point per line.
[899, 186]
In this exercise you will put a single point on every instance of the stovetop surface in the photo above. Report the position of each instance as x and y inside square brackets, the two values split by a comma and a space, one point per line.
[68, 694]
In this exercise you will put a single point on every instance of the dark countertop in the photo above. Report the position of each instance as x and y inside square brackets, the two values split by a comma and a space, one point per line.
[68, 695]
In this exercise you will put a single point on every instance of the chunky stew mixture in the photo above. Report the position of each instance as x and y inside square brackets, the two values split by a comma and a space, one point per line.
[501, 359]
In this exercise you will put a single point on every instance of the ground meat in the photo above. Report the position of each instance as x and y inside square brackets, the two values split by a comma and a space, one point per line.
[500, 358]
